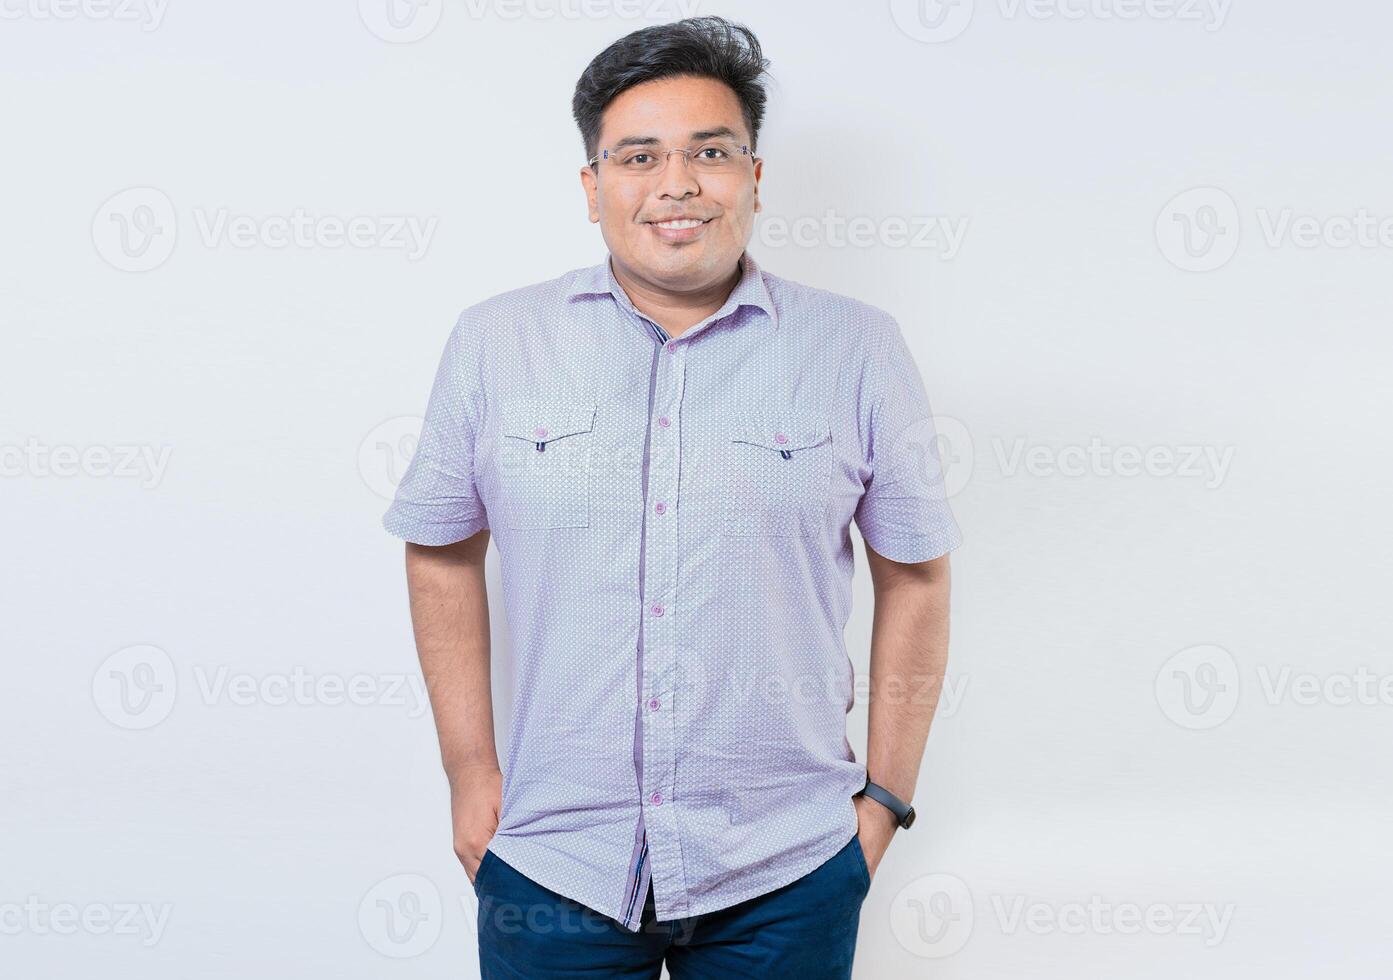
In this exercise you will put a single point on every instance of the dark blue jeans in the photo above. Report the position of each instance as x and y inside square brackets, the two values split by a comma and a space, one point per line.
[805, 930]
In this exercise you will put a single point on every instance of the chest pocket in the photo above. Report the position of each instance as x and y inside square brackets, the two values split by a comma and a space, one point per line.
[780, 475]
[544, 454]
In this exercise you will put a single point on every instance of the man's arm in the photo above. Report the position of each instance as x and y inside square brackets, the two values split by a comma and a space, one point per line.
[909, 653]
[450, 616]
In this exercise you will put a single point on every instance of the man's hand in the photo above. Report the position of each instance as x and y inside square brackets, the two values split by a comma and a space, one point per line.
[875, 826]
[476, 794]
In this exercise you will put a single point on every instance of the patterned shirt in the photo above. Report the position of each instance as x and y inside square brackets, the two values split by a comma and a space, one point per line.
[672, 521]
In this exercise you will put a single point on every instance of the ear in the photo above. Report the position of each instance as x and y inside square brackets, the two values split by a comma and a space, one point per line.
[592, 189]
[759, 171]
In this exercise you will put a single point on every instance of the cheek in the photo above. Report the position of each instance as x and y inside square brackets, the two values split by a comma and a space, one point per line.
[742, 199]
[618, 206]
[740, 208]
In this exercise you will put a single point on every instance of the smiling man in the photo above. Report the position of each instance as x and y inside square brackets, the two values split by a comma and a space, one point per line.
[668, 449]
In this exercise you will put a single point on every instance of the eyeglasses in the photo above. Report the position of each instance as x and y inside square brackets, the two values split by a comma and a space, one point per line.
[710, 157]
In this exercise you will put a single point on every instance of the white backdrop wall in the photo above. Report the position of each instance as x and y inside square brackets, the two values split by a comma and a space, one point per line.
[1141, 249]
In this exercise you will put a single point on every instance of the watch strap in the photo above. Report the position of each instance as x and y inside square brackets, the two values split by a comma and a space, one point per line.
[904, 813]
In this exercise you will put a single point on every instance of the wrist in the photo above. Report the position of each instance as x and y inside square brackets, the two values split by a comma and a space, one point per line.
[879, 816]
[466, 772]
[898, 811]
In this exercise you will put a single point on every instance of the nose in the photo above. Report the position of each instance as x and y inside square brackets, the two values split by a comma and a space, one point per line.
[677, 179]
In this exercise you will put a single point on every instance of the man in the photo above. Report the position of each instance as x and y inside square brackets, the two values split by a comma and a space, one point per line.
[668, 449]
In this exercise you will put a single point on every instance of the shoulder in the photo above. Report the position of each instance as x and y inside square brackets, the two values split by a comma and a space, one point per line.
[509, 311]
[830, 317]
[508, 304]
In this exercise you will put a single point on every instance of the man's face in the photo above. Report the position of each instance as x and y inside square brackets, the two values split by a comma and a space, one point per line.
[628, 207]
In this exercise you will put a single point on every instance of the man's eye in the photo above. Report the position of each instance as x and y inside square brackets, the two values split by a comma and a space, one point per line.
[719, 153]
[638, 159]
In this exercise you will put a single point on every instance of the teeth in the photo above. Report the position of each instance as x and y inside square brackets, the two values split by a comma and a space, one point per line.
[689, 223]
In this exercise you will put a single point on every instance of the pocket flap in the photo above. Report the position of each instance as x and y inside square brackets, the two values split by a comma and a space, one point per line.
[800, 432]
[545, 421]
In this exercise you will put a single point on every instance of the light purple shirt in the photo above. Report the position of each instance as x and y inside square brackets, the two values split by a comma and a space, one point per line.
[672, 520]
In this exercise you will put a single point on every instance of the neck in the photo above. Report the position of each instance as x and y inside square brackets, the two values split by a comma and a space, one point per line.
[676, 311]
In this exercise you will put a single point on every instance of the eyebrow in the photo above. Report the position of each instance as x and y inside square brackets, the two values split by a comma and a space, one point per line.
[697, 135]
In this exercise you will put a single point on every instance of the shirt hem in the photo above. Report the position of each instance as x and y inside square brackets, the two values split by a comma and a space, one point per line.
[787, 876]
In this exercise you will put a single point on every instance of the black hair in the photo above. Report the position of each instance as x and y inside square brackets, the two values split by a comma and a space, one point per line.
[701, 47]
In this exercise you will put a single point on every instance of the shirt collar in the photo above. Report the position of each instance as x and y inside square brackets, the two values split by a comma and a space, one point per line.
[750, 290]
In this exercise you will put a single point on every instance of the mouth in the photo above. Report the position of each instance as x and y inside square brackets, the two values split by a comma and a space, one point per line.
[680, 229]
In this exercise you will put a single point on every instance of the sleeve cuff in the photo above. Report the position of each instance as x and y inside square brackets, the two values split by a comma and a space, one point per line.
[435, 533]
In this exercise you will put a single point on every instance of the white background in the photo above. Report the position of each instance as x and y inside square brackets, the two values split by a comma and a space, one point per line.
[1164, 685]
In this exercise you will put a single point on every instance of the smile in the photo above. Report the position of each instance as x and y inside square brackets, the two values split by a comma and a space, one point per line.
[683, 223]
[680, 231]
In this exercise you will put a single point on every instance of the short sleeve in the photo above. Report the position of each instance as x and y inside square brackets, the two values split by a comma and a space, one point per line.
[903, 513]
[437, 502]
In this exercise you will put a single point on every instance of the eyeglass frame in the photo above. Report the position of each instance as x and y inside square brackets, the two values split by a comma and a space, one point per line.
[667, 153]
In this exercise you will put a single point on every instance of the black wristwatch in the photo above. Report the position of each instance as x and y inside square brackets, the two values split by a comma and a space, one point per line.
[904, 813]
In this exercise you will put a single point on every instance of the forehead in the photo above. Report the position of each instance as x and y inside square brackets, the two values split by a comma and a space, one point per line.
[672, 109]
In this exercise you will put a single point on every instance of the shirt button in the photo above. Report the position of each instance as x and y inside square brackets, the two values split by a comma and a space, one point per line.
[657, 610]
[656, 798]
[780, 438]
[671, 346]
[539, 432]
[660, 507]
[654, 704]
[664, 421]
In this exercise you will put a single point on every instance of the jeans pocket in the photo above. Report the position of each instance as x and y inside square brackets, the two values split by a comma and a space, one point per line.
[484, 863]
[861, 861]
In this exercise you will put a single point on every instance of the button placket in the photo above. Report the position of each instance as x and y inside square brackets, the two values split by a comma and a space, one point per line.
[661, 612]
